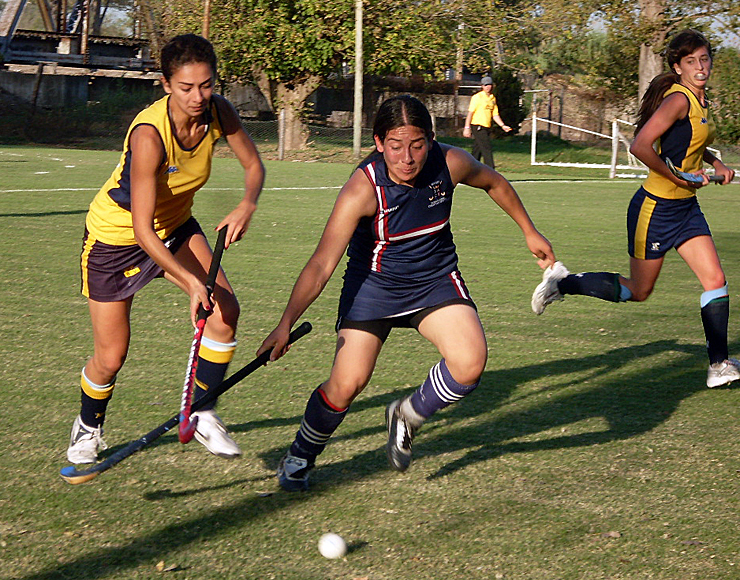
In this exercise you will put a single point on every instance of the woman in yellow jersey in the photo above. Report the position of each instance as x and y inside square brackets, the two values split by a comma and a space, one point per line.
[140, 227]
[665, 213]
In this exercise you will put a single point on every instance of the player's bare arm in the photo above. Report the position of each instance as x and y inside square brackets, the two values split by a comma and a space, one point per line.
[146, 160]
[719, 167]
[254, 171]
[673, 108]
[355, 201]
[465, 169]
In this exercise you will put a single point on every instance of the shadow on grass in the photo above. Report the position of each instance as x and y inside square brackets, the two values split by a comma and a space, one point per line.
[631, 404]
[43, 214]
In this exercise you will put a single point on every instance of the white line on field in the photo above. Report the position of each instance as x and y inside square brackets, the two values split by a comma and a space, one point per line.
[203, 189]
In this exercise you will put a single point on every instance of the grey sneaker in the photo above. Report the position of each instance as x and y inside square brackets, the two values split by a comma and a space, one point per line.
[84, 443]
[212, 433]
[400, 436]
[292, 473]
[547, 291]
[723, 373]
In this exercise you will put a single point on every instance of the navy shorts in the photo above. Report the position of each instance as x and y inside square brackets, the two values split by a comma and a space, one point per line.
[382, 327]
[112, 273]
[655, 224]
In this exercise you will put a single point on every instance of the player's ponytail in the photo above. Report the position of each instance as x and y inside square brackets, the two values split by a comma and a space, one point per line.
[653, 97]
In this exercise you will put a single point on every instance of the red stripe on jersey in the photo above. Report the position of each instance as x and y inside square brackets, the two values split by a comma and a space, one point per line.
[420, 231]
[459, 285]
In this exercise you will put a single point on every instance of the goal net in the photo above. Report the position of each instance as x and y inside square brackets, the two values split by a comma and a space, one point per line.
[622, 162]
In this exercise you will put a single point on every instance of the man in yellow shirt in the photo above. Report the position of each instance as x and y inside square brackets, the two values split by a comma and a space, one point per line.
[482, 110]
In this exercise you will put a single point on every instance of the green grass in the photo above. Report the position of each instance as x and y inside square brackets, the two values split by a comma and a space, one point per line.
[591, 450]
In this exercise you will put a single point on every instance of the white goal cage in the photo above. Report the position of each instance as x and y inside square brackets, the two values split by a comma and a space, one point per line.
[620, 144]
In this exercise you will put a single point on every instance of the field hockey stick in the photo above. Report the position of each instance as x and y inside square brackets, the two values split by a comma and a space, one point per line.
[74, 476]
[186, 429]
[690, 177]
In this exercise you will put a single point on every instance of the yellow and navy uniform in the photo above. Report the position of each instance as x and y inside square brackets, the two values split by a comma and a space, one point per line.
[181, 174]
[113, 265]
[684, 143]
[484, 108]
[661, 214]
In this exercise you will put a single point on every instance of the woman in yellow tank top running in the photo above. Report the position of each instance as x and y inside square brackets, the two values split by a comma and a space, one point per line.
[665, 213]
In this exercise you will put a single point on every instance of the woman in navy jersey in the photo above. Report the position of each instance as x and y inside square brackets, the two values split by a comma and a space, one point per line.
[392, 217]
[665, 212]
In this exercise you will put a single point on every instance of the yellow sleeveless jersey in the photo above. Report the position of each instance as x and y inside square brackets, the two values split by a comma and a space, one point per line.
[181, 174]
[684, 143]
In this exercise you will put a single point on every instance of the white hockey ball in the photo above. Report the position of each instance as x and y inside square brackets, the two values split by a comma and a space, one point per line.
[332, 546]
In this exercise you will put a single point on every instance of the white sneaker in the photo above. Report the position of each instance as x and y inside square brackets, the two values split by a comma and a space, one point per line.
[547, 291]
[84, 443]
[212, 433]
[723, 373]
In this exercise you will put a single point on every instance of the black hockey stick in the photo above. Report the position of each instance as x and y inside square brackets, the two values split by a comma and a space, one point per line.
[690, 177]
[74, 476]
[186, 429]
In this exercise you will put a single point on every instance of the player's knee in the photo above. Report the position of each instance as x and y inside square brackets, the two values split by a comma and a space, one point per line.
[109, 363]
[230, 311]
[467, 368]
[341, 393]
[641, 294]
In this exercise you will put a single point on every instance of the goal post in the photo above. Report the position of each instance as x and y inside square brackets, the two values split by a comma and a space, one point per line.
[622, 163]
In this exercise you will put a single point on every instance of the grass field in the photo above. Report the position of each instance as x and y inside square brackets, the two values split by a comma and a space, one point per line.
[591, 450]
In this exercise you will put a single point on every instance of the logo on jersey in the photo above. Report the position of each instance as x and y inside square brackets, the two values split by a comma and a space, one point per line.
[438, 195]
[172, 169]
[703, 121]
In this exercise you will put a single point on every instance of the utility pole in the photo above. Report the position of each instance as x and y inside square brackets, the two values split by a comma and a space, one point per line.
[206, 18]
[357, 121]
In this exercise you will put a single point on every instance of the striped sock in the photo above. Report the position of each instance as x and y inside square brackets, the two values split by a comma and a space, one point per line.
[213, 361]
[94, 400]
[320, 420]
[438, 391]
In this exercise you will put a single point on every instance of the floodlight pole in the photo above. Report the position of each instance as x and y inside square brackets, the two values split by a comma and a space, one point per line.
[357, 121]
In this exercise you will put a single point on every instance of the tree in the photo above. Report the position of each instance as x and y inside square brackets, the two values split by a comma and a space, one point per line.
[724, 89]
[288, 48]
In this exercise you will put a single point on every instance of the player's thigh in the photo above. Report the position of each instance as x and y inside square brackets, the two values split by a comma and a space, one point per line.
[700, 254]
[457, 333]
[196, 255]
[111, 335]
[354, 361]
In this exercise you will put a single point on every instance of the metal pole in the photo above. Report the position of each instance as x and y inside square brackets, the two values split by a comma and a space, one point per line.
[281, 134]
[357, 120]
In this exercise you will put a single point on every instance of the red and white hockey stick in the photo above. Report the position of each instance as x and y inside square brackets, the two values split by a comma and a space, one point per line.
[187, 426]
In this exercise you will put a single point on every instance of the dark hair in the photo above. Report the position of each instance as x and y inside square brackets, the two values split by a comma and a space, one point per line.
[681, 45]
[399, 111]
[185, 49]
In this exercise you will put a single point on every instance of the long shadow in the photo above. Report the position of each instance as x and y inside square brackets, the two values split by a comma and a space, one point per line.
[45, 213]
[630, 405]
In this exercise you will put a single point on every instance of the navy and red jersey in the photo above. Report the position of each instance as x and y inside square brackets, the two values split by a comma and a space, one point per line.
[403, 258]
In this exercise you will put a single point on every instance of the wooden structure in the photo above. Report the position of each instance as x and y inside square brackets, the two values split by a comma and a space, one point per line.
[71, 37]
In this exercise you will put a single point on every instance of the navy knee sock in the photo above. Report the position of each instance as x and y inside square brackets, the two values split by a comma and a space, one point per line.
[715, 314]
[438, 391]
[604, 285]
[320, 420]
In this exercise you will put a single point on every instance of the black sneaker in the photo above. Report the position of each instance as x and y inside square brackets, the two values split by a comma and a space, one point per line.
[400, 436]
[292, 473]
